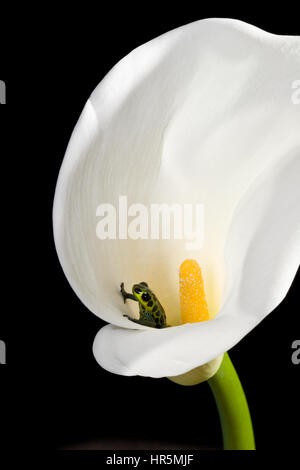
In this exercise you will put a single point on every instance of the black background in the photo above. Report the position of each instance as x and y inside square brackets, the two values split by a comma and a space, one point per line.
[52, 390]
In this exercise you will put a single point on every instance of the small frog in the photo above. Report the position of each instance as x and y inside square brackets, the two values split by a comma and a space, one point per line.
[151, 311]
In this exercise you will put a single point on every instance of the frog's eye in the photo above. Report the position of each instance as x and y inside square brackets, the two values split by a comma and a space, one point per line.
[146, 297]
[137, 290]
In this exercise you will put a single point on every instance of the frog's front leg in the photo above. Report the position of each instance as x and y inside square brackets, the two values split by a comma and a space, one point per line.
[125, 294]
[141, 321]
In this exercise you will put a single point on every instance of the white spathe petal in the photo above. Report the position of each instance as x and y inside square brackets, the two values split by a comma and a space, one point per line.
[194, 116]
[167, 352]
[263, 254]
[263, 246]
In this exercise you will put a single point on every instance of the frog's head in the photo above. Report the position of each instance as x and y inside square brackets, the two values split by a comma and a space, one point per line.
[143, 294]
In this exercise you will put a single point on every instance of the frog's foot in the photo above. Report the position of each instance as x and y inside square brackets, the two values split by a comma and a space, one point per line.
[141, 322]
[122, 290]
[125, 294]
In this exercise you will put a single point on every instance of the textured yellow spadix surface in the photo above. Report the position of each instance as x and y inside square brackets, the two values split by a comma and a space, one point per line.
[193, 305]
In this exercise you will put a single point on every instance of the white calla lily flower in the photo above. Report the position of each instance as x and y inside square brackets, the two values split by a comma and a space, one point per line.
[202, 114]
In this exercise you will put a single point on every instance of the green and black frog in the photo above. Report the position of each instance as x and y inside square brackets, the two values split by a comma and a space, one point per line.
[151, 311]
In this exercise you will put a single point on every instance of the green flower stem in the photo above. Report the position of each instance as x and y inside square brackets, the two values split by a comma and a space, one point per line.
[233, 408]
